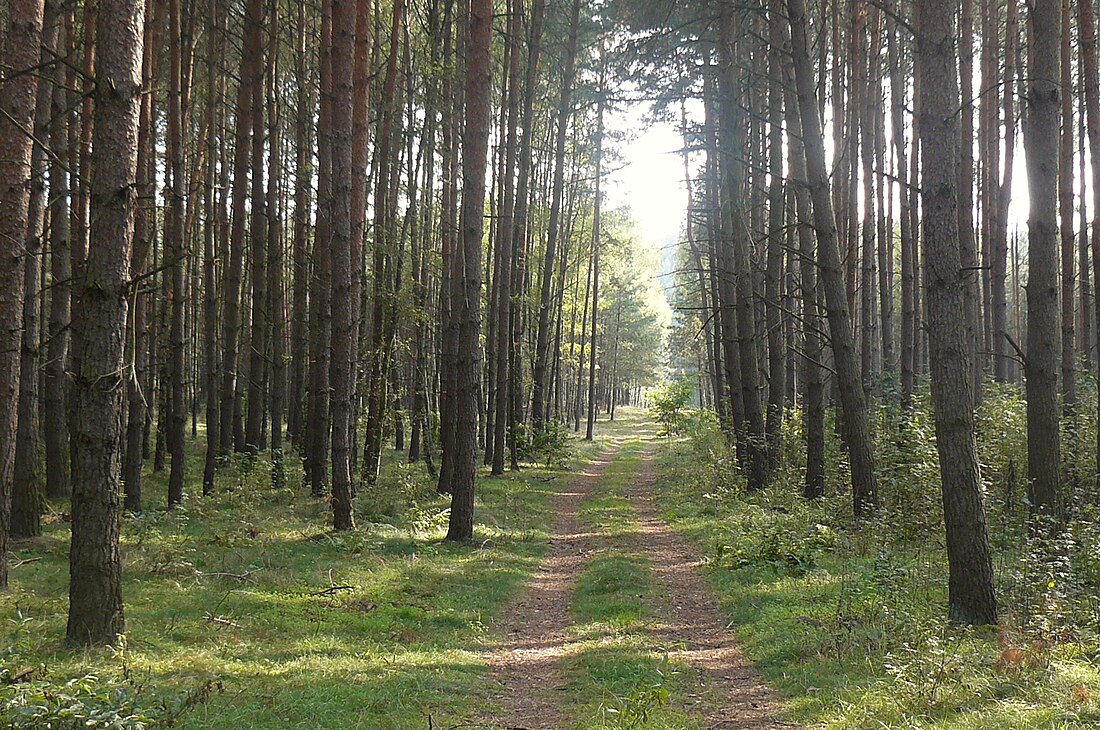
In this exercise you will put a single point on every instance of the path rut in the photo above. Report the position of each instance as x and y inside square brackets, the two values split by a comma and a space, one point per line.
[533, 631]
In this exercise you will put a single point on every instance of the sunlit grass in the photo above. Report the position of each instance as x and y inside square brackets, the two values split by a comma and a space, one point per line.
[849, 623]
[616, 674]
[293, 625]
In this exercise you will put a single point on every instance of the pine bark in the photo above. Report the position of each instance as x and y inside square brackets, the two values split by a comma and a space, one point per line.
[466, 271]
[95, 566]
[970, 583]
[853, 405]
[17, 99]
[1041, 364]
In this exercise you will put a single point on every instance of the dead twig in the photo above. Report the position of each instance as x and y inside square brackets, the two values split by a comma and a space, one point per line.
[222, 620]
[17, 563]
[247, 575]
[332, 590]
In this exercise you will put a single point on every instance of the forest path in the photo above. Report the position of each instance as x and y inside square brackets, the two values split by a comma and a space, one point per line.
[533, 630]
[538, 632]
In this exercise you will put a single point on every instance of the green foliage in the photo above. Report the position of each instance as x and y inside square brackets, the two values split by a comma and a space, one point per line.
[852, 626]
[399, 496]
[82, 702]
[669, 405]
[304, 628]
[786, 548]
[550, 445]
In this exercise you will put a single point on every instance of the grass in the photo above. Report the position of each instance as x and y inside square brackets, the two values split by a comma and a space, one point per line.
[247, 611]
[848, 621]
[616, 677]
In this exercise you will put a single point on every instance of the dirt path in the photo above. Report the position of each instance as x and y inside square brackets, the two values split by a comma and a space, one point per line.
[729, 695]
[533, 629]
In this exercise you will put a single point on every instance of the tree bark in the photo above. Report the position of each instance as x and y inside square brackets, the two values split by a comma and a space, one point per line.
[970, 583]
[95, 566]
[17, 98]
[853, 406]
[466, 270]
[1041, 366]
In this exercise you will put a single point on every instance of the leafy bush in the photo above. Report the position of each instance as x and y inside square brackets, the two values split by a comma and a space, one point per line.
[398, 490]
[548, 445]
[81, 702]
[670, 402]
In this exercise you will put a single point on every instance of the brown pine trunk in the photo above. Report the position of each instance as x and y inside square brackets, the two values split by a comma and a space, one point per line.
[813, 403]
[174, 258]
[737, 270]
[55, 393]
[970, 583]
[773, 292]
[303, 189]
[898, 88]
[258, 241]
[1041, 366]
[596, 245]
[853, 406]
[27, 495]
[1065, 215]
[521, 233]
[385, 243]
[1002, 363]
[210, 257]
[542, 332]
[503, 254]
[95, 566]
[231, 330]
[276, 257]
[466, 271]
[1086, 22]
[17, 98]
[968, 248]
[319, 425]
[344, 324]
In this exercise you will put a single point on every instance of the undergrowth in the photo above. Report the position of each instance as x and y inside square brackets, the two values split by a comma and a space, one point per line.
[849, 619]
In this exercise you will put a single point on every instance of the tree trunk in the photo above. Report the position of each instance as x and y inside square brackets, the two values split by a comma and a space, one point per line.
[27, 496]
[970, 584]
[466, 270]
[853, 406]
[542, 332]
[55, 394]
[175, 254]
[1041, 366]
[17, 98]
[95, 565]
[344, 307]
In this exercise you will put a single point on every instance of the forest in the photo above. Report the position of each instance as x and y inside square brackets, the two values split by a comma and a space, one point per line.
[342, 386]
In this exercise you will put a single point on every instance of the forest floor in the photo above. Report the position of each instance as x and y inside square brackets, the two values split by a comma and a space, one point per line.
[613, 591]
[575, 608]
[617, 628]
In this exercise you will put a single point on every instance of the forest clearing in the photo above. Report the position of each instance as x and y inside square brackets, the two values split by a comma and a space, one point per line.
[549, 364]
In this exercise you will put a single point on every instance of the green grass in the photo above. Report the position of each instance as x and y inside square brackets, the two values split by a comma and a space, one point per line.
[849, 622]
[237, 590]
[616, 677]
